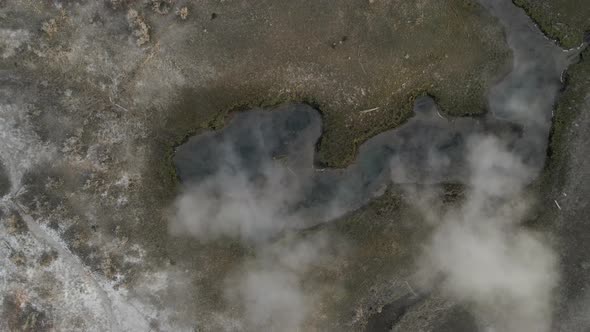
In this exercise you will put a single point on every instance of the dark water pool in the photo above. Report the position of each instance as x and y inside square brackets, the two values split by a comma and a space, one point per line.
[429, 148]
[4, 181]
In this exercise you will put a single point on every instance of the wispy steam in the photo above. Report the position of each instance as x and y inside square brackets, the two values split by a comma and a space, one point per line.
[230, 203]
[269, 289]
[481, 255]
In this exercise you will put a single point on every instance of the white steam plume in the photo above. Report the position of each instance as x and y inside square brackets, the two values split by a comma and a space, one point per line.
[480, 253]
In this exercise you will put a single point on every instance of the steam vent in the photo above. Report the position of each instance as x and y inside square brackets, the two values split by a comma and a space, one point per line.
[295, 165]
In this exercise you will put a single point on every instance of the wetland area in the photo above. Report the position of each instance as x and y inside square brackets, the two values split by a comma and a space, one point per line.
[382, 165]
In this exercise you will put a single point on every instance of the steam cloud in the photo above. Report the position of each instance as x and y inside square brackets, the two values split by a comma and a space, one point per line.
[245, 193]
[229, 203]
[482, 254]
[479, 253]
[269, 288]
[479, 248]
